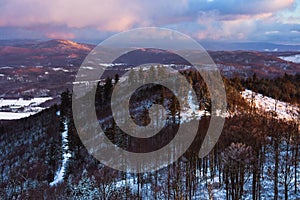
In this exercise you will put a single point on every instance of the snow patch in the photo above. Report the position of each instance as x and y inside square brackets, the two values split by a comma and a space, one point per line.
[293, 58]
[11, 109]
[282, 109]
[23, 102]
[60, 69]
[12, 116]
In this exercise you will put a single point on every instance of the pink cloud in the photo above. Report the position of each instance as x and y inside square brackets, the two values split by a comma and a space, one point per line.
[68, 18]
[114, 15]
[60, 35]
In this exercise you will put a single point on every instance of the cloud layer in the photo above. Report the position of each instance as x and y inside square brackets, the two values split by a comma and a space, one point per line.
[203, 19]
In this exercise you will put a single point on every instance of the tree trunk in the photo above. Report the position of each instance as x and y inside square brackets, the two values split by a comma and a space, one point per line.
[276, 146]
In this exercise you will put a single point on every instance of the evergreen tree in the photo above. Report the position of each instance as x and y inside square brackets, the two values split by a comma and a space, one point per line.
[117, 78]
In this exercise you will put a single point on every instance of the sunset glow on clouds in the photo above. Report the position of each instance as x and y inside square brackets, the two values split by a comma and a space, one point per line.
[61, 35]
[232, 20]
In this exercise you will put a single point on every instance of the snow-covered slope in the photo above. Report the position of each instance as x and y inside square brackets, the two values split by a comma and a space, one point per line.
[23, 102]
[293, 58]
[282, 109]
[12, 115]
[11, 109]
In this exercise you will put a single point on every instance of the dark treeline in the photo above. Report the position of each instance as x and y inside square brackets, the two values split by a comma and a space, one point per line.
[286, 88]
[30, 153]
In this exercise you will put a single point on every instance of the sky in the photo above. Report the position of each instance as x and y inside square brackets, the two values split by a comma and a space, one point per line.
[276, 21]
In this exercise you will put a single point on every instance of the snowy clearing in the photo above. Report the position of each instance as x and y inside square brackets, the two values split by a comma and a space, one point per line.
[12, 116]
[293, 58]
[11, 109]
[23, 102]
[282, 109]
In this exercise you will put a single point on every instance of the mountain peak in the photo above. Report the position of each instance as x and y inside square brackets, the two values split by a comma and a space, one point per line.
[66, 42]
[60, 43]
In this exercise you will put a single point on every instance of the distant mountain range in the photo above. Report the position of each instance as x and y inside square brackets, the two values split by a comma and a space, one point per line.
[248, 46]
[45, 53]
[208, 45]
[66, 53]
[38, 68]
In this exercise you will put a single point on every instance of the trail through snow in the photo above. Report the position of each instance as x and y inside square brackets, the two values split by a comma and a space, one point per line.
[60, 173]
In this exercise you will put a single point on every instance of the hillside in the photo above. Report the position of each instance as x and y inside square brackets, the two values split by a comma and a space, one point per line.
[42, 156]
[252, 146]
[38, 68]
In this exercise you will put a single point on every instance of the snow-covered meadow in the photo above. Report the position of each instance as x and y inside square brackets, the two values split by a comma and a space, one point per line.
[11, 109]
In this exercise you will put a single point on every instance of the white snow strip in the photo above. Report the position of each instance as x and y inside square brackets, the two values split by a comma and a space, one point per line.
[60, 173]
[60, 69]
[87, 67]
[23, 102]
[282, 109]
[10, 108]
[12, 116]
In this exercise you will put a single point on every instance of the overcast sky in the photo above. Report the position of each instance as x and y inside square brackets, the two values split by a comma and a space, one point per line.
[205, 20]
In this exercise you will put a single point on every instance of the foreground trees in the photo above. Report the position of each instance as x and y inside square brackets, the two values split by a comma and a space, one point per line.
[256, 157]
[237, 159]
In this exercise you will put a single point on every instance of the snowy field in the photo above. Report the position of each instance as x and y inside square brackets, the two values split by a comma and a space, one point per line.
[282, 109]
[293, 58]
[12, 115]
[11, 109]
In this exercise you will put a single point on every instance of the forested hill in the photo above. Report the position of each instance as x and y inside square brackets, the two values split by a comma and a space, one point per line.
[286, 88]
[256, 157]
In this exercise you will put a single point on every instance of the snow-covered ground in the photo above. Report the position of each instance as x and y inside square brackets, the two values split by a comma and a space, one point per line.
[11, 109]
[282, 109]
[12, 115]
[192, 111]
[293, 58]
[60, 173]
[60, 69]
[23, 102]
